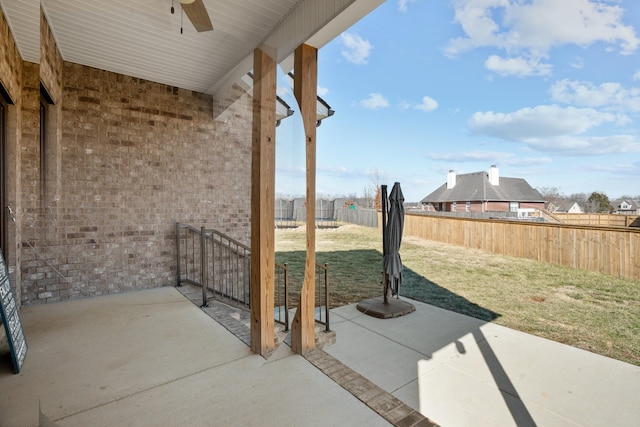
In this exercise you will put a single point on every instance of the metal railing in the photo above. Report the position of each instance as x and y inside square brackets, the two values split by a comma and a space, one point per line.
[215, 262]
[221, 266]
[281, 295]
[322, 302]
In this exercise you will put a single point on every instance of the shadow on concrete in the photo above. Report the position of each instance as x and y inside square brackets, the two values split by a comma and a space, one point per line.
[368, 264]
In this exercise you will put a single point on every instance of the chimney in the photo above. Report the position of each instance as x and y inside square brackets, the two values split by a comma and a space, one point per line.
[451, 179]
[494, 175]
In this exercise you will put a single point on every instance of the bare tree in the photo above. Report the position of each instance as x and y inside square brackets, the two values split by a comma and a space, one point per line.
[552, 196]
[366, 196]
[376, 182]
[581, 199]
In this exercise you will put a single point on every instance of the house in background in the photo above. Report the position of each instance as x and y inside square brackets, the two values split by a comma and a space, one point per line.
[627, 207]
[566, 206]
[483, 192]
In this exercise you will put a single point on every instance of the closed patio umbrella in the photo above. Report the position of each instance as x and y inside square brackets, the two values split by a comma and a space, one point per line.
[392, 228]
[392, 263]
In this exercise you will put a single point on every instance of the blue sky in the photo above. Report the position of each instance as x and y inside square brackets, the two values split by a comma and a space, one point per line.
[547, 90]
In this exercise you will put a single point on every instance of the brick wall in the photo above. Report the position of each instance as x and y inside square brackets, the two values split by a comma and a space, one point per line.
[125, 159]
[40, 186]
[10, 61]
[29, 210]
[136, 156]
[11, 82]
[51, 63]
[11, 74]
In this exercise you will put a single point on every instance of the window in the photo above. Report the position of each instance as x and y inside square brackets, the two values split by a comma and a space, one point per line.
[454, 206]
[514, 206]
[468, 207]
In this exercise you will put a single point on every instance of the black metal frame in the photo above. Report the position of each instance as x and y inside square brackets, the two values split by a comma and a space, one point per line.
[224, 262]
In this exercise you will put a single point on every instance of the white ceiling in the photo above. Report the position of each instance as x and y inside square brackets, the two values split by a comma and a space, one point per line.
[141, 38]
[23, 17]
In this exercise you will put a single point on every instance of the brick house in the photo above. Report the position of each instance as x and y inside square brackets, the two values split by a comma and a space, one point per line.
[115, 124]
[483, 192]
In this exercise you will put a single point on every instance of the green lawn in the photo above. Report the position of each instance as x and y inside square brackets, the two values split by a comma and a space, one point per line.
[589, 310]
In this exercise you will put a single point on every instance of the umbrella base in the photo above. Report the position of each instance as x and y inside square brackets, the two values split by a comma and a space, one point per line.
[377, 308]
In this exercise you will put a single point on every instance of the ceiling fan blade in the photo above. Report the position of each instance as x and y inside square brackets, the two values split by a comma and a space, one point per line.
[197, 14]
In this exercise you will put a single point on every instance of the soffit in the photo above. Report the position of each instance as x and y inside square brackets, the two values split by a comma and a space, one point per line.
[23, 17]
[141, 38]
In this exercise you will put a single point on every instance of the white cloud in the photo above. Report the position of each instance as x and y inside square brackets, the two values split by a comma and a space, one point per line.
[283, 91]
[402, 4]
[636, 75]
[337, 171]
[428, 104]
[322, 91]
[477, 23]
[521, 67]
[620, 168]
[469, 156]
[552, 128]
[492, 157]
[375, 101]
[538, 122]
[577, 63]
[526, 161]
[542, 24]
[356, 50]
[588, 146]
[609, 95]
[529, 29]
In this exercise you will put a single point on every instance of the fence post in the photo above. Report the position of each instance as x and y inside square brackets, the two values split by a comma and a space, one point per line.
[203, 267]
[178, 283]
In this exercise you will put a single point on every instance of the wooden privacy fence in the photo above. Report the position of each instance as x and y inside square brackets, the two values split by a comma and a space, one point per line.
[614, 251]
[600, 220]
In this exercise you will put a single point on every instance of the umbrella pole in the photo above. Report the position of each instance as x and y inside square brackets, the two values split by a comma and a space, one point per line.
[385, 277]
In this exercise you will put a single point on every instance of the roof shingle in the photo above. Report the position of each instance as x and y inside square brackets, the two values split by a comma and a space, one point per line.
[476, 187]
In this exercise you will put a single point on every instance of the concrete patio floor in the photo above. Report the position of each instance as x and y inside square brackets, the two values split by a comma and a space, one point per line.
[461, 371]
[154, 358]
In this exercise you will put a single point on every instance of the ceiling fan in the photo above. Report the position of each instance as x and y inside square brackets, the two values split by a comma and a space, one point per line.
[197, 14]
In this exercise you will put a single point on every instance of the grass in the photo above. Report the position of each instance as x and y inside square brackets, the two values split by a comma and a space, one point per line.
[588, 310]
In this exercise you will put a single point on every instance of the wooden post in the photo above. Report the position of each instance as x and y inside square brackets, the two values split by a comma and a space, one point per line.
[305, 87]
[262, 203]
